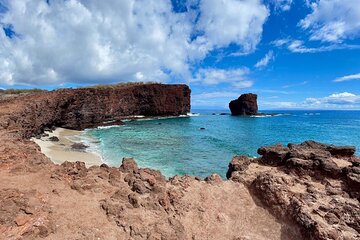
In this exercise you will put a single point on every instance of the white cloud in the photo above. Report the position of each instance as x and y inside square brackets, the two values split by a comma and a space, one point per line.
[243, 84]
[278, 105]
[88, 41]
[265, 60]
[218, 99]
[295, 84]
[232, 21]
[344, 100]
[283, 5]
[238, 78]
[298, 46]
[209, 95]
[333, 20]
[348, 78]
[272, 91]
[280, 42]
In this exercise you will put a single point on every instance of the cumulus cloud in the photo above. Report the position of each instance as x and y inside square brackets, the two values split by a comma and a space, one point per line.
[348, 78]
[333, 21]
[265, 60]
[238, 78]
[344, 100]
[232, 21]
[90, 41]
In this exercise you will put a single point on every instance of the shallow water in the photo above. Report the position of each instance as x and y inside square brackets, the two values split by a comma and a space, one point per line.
[179, 146]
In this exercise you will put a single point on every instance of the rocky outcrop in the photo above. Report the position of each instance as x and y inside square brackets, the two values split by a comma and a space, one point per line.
[83, 108]
[246, 104]
[70, 201]
[42, 200]
[315, 186]
[311, 189]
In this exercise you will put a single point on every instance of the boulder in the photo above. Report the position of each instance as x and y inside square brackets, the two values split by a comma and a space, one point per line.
[246, 104]
[54, 139]
[79, 146]
[128, 165]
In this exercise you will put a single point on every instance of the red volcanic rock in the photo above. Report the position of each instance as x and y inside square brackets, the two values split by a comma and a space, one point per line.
[314, 185]
[239, 164]
[273, 155]
[91, 107]
[128, 165]
[213, 179]
[246, 104]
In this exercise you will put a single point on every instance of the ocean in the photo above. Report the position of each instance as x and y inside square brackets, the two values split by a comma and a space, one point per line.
[205, 143]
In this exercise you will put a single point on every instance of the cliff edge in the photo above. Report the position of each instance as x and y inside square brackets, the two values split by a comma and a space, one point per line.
[91, 107]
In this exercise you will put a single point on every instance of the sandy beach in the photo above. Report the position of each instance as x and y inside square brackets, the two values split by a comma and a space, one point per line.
[61, 151]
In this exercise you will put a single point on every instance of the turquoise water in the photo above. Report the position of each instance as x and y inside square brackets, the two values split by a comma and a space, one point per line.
[179, 146]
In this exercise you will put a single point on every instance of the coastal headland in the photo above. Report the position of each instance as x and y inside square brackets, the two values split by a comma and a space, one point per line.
[300, 191]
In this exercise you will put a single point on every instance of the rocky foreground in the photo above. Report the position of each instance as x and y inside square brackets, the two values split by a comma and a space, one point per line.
[306, 191]
[313, 185]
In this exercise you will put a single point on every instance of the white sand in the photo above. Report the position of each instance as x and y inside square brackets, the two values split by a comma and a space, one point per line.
[61, 151]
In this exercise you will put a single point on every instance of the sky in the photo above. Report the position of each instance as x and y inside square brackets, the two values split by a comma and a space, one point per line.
[295, 54]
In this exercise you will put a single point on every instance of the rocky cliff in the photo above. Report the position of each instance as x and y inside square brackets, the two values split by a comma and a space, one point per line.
[89, 107]
[246, 104]
[306, 191]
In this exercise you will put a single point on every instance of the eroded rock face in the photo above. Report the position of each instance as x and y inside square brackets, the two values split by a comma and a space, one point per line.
[91, 107]
[314, 185]
[246, 104]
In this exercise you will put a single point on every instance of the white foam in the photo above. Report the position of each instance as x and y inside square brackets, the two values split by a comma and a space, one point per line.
[92, 144]
[193, 114]
[271, 115]
[261, 116]
[110, 126]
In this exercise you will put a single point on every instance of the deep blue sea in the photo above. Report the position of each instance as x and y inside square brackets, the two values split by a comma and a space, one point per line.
[179, 146]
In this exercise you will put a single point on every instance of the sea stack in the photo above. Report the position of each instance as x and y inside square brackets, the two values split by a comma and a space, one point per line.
[245, 105]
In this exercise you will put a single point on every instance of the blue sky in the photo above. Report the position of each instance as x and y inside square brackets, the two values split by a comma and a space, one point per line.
[295, 54]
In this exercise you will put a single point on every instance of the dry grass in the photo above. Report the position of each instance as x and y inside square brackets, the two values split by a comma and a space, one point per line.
[127, 84]
[13, 91]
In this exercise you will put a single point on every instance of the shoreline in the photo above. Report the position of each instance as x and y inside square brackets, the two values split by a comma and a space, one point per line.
[60, 151]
